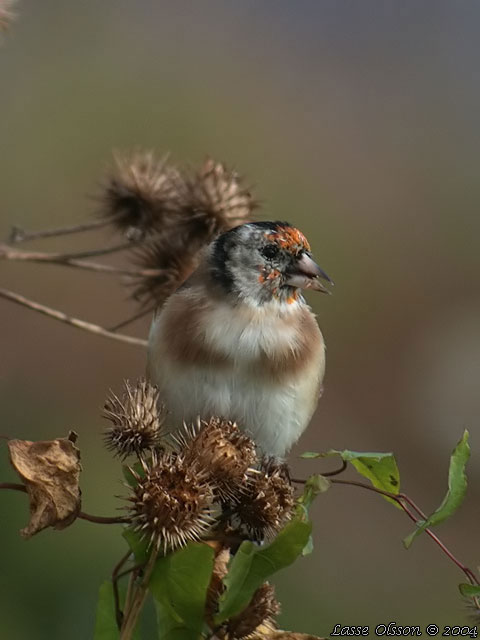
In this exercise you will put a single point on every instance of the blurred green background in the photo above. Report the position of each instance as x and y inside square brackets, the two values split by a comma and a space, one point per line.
[358, 122]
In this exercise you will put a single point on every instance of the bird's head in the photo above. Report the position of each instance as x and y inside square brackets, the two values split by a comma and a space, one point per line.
[264, 261]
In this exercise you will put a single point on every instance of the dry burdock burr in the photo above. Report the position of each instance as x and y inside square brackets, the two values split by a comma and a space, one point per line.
[170, 214]
[171, 502]
[223, 451]
[209, 477]
[205, 483]
[267, 503]
[136, 420]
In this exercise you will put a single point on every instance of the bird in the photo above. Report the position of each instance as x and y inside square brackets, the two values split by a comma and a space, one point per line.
[238, 340]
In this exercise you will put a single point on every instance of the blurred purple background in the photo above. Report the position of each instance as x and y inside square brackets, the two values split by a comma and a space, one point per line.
[358, 122]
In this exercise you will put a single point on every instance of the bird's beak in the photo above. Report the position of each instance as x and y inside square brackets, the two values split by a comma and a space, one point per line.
[305, 274]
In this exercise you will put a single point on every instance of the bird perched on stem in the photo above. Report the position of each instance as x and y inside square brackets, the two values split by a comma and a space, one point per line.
[238, 340]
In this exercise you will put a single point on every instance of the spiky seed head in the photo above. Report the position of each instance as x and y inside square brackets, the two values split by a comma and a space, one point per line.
[140, 193]
[217, 198]
[223, 452]
[266, 504]
[263, 608]
[136, 419]
[172, 503]
[165, 265]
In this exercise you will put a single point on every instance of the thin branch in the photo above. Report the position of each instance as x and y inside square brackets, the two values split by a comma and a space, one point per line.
[137, 600]
[81, 515]
[74, 322]
[328, 474]
[116, 575]
[66, 259]
[96, 252]
[336, 472]
[13, 485]
[137, 316]
[102, 519]
[132, 578]
[400, 499]
[18, 234]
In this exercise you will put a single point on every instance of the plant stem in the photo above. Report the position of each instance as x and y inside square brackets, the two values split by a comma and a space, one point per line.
[81, 515]
[137, 601]
[74, 322]
[14, 486]
[72, 260]
[18, 234]
[137, 316]
[102, 519]
[401, 499]
[116, 575]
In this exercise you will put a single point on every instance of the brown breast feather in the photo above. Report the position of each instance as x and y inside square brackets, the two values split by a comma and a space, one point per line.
[183, 338]
[183, 335]
[298, 356]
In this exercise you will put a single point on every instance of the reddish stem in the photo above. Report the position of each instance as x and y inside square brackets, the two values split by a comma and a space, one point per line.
[400, 499]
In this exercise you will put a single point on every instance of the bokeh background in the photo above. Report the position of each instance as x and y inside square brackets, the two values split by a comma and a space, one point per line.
[357, 121]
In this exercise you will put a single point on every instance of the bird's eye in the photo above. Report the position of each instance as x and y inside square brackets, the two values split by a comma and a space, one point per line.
[270, 251]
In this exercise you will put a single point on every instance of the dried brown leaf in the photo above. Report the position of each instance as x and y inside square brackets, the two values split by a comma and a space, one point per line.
[50, 470]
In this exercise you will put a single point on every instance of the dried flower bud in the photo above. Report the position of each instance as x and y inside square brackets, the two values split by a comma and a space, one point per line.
[140, 193]
[136, 419]
[217, 200]
[166, 264]
[263, 607]
[172, 503]
[178, 213]
[266, 504]
[223, 452]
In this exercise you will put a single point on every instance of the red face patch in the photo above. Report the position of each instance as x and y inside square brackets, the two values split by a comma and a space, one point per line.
[288, 238]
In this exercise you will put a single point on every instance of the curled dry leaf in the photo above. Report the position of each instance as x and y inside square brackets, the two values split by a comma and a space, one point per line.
[50, 470]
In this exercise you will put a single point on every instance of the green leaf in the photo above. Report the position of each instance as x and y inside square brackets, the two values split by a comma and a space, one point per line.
[105, 623]
[179, 584]
[252, 565]
[457, 487]
[308, 548]
[469, 590]
[314, 485]
[137, 544]
[380, 468]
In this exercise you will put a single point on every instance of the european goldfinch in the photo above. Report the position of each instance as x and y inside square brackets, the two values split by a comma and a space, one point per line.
[237, 339]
